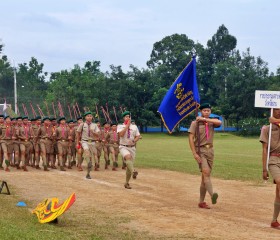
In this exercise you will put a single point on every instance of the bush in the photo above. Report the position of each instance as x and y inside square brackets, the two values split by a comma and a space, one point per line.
[251, 126]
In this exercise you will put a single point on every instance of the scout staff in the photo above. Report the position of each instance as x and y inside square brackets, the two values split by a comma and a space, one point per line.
[201, 133]
[129, 135]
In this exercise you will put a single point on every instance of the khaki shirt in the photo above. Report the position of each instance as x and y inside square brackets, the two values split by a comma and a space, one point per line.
[202, 133]
[25, 132]
[59, 132]
[7, 132]
[112, 137]
[45, 132]
[275, 137]
[127, 139]
[87, 130]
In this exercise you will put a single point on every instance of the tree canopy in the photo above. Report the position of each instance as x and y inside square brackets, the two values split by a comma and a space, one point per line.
[227, 79]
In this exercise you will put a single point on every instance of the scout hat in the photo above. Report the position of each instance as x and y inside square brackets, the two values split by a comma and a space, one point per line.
[78, 118]
[37, 118]
[125, 113]
[204, 105]
[7, 117]
[113, 123]
[24, 117]
[61, 118]
[45, 118]
[1, 115]
[87, 113]
[70, 121]
[18, 118]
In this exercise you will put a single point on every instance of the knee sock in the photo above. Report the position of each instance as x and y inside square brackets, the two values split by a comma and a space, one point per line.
[276, 211]
[202, 192]
[129, 170]
[208, 186]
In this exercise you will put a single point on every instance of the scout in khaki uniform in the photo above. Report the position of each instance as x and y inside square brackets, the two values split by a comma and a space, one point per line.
[202, 149]
[54, 125]
[7, 136]
[98, 143]
[274, 160]
[24, 135]
[62, 136]
[72, 135]
[113, 141]
[79, 149]
[16, 122]
[36, 124]
[129, 135]
[45, 139]
[87, 132]
[105, 145]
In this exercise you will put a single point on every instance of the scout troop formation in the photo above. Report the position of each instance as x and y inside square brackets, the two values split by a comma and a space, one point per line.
[51, 143]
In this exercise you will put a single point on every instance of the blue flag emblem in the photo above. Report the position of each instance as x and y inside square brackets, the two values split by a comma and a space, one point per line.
[181, 99]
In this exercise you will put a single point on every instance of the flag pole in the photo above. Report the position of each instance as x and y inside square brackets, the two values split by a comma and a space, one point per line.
[269, 140]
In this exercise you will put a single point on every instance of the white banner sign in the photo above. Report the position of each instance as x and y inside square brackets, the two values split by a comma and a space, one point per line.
[267, 99]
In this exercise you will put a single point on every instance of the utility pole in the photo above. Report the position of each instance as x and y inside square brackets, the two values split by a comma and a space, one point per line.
[15, 88]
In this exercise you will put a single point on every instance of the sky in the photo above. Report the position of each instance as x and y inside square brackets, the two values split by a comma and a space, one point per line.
[62, 33]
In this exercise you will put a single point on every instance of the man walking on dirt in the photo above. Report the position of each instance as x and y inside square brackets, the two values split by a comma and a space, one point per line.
[274, 160]
[129, 135]
[87, 133]
[201, 133]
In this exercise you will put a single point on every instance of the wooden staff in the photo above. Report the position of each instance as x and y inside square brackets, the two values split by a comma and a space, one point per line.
[115, 114]
[96, 108]
[33, 110]
[54, 113]
[40, 110]
[70, 112]
[47, 108]
[75, 112]
[78, 108]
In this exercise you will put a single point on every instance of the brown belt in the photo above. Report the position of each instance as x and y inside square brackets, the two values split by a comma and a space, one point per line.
[127, 145]
[207, 145]
[90, 140]
[275, 154]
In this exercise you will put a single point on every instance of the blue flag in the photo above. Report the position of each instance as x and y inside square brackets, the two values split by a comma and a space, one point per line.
[181, 99]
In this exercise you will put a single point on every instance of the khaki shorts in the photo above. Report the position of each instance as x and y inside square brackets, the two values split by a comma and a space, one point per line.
[89, 146]
[274, 167]
[124, 151]
[207, 157]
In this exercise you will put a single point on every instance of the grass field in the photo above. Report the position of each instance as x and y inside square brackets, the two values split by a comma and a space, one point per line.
[236, 158]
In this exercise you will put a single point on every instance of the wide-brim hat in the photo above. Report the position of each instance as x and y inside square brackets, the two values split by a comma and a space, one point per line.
[87, 113]
[125, 113]
[61, 118]
[45, 118]
[205, 105]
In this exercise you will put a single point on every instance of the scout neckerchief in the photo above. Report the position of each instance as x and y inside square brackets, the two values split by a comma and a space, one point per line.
[115, 135]
[26, 130]
[62, 130]
[88, 123]
[207, 130]
[8, 131]
[128, 132]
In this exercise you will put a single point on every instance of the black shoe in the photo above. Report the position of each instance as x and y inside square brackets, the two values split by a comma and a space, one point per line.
[88, 176]
[127, 186]
[134, 175]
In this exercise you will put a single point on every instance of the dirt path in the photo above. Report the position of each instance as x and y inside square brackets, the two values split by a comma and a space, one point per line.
[161, 202]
